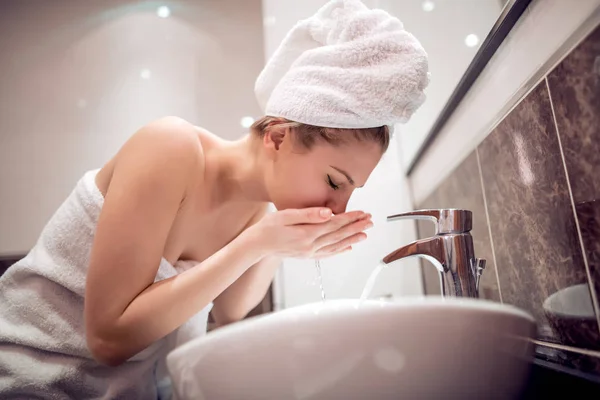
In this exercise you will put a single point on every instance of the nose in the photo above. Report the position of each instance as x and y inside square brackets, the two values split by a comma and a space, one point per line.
[338, 206]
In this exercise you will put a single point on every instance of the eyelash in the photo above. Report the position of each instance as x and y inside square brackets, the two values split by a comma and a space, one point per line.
[331, 183]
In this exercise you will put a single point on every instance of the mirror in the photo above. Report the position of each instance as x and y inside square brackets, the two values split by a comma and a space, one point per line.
[453, 32]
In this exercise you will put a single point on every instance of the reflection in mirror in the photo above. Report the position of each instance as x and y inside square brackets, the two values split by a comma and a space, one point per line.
[570, 316]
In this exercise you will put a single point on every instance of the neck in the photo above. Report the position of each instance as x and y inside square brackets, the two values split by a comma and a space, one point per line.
[235, 172]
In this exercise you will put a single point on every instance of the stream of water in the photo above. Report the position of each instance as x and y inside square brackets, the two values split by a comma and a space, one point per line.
[368, 286]
[320, 275]
[371, 282]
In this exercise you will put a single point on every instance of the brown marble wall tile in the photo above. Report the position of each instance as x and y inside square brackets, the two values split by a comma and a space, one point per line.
[575, 91]
[532, 223]
[462, 189]
[588, 214]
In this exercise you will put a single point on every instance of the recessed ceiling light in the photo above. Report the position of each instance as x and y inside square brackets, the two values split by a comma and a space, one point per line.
[472, 40]
[145, 74]
[428, 5]
[163, 12]
[247, 122]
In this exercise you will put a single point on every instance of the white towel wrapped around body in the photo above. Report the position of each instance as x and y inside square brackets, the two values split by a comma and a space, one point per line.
[347, 66]
[43, 350]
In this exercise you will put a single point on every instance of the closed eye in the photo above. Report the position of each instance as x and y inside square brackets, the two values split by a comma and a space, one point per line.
[331, 183]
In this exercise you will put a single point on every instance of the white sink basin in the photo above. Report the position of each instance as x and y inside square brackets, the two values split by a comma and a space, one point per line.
[425, 348]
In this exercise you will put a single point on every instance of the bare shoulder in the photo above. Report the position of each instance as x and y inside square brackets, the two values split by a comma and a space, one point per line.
[170, 143]
[174, 133]
[171, 137]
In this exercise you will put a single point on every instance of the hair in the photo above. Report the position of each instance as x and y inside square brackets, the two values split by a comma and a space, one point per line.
[309, 135]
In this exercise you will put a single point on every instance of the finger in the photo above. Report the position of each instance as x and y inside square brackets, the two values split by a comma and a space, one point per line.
[344, 250]
[348, 217]
[330, 254]
[347, 242]
[340, 220]
[338, 251]
[343, 232]
[313, 215]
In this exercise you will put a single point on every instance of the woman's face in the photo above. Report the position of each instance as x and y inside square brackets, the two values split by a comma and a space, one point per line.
[324, 176]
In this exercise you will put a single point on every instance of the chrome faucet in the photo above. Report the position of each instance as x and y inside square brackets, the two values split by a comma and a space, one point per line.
[450, 250]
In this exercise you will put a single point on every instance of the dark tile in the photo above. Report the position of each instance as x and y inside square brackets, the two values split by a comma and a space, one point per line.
[575, 91]
[588, 214]
[462, 189]
[587, 364]
[532, 223]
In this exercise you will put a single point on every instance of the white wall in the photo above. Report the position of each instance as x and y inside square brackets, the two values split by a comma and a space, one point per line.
[386, 193]
[71, 91]
[542, 36]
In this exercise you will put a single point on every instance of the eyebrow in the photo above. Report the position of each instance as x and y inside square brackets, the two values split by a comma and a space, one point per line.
[347, 175]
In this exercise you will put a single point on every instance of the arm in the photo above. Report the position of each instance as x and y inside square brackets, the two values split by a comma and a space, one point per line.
[125, 311]
[248, 291]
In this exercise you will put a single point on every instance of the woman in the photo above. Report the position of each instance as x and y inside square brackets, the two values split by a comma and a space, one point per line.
[86, 314]
[205, 199]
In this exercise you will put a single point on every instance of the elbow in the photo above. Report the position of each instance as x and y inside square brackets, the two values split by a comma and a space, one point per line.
[226, 317]
[219, 323]
[105, 352]
[223, 320]
[227, 310]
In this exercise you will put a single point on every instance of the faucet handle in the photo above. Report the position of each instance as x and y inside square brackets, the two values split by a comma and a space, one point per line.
[447, 220]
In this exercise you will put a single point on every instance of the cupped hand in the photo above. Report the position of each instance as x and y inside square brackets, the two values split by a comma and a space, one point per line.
[310, 232]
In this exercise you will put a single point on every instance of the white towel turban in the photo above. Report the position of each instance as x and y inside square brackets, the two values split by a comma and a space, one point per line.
[347, 66]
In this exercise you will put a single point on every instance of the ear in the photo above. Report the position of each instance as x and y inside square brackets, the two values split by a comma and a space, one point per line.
[274, 137]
